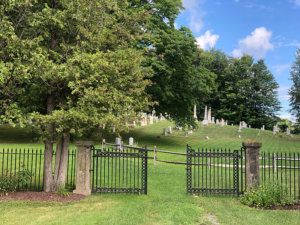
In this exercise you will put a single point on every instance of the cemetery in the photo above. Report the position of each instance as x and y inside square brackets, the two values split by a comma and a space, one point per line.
[166, 193]
[149, 112]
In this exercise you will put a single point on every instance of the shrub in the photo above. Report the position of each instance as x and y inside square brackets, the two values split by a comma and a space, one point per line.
[62, 191]
[9, 183]
[266, 196]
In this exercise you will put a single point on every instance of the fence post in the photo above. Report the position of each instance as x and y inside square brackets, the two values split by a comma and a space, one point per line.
[252, 163]
[83, 180]
[274, 163]
[154, 156]
[208, 160]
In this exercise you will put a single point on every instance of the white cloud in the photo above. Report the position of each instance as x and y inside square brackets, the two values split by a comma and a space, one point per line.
[176, 25]
[257, 44]
[293, 43]
[236, 0]
[296, 2]
[287, 116]
[280, 69]
[207, 40]
[196, 14]
[283, 92]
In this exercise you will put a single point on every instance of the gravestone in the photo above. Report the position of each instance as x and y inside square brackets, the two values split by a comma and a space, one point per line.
[153, 112]
[170, 129]
[209, 115]
[131, 141]
[118, 143]
[114, 129]
[288, 132]
[275, 129]
[205, 121]
[222, 122]
[195, 112]
[151, 119]
[165, 131]
[240, 128]
[144, 121]
[213, 120]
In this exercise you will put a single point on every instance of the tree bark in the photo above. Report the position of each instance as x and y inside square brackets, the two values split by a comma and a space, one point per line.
[48, 177]
[61, 161]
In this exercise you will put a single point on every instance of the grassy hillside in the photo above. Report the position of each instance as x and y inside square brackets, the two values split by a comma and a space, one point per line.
[151, 135]
[219, 137]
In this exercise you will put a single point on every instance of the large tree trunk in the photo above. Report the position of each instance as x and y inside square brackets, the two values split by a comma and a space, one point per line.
[61, 161]
[48, 177]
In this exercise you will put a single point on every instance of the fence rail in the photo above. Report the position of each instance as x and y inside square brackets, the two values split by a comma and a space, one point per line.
[281, 168]
[14, 161]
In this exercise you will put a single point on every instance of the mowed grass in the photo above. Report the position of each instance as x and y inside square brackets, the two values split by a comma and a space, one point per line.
[167, 201]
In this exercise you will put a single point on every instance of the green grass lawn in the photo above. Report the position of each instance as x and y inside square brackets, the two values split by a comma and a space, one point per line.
[167, 201]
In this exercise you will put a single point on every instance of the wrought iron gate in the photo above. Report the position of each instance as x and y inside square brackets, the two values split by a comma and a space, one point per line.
[116, 169]
[213, 171]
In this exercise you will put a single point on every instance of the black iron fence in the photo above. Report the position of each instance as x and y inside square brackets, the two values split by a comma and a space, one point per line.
[119, 169]
[14, 161]
[283, 169]
[215, 171]
[123, 169]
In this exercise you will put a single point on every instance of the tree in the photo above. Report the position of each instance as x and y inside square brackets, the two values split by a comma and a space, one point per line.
[263, 100]
[246, 91]
[178, 84]
[294, 91]
[69, 67]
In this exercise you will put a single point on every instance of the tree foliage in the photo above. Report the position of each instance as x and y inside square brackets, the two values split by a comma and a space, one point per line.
[246, 90]
[294, 91]
[69, 67]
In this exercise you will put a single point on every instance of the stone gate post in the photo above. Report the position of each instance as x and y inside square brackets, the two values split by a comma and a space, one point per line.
[252, 163]
[83, 180]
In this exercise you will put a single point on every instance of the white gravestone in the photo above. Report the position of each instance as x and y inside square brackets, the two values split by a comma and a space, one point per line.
[170, 130]
[131, 141]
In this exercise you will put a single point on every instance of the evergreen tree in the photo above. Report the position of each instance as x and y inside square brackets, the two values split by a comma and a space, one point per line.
[263, 100]
[294, 92]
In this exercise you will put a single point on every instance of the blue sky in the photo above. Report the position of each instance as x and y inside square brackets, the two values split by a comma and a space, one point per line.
[268, 29]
